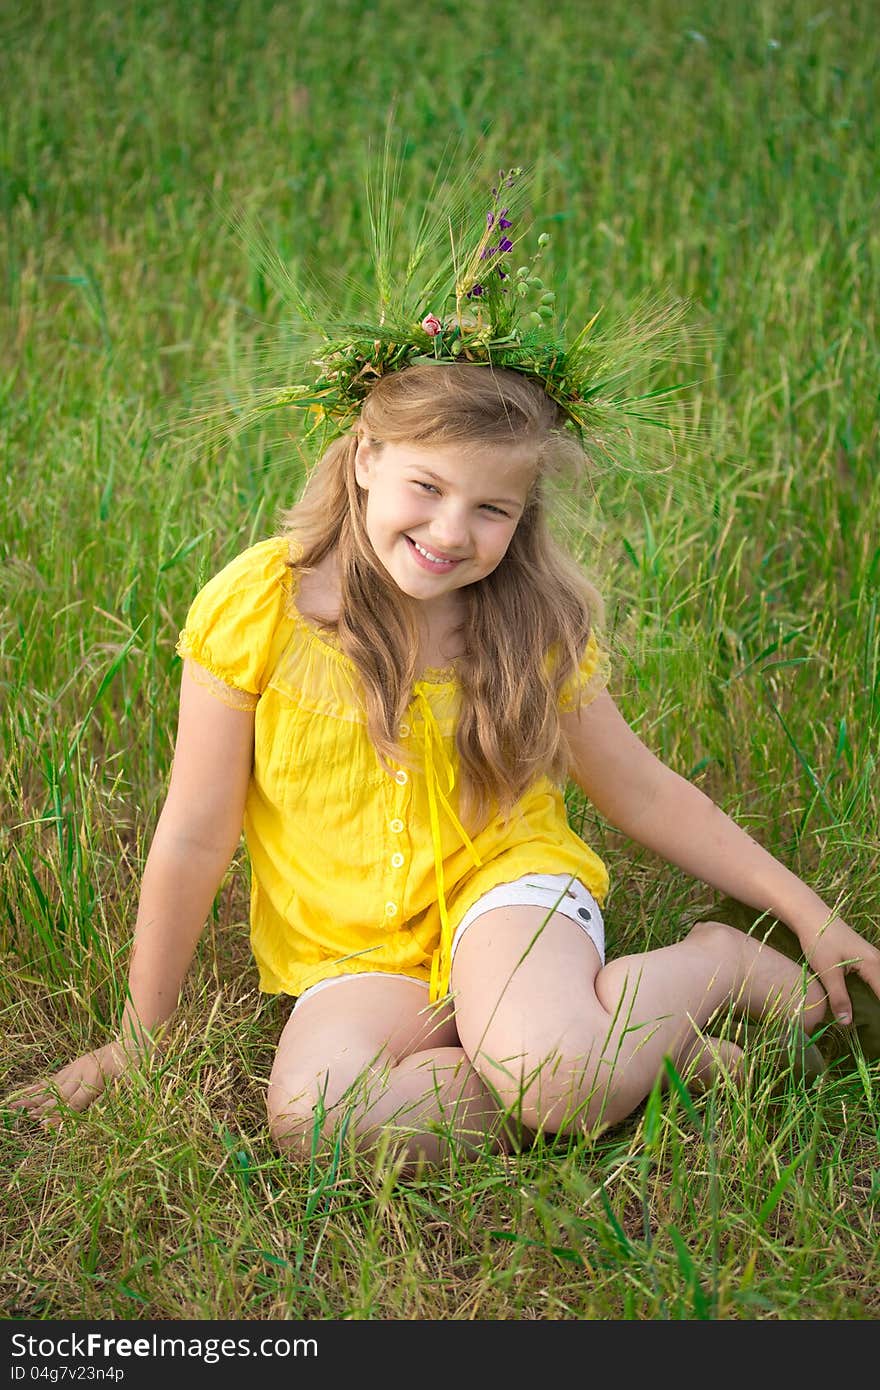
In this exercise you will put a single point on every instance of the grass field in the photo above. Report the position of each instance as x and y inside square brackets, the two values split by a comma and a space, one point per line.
[724, 153]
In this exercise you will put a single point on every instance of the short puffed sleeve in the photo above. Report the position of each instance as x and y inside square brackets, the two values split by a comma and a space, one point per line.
[232, 627]
[589, 680]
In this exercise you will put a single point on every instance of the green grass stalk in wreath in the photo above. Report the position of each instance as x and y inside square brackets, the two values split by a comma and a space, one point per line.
[465, 288]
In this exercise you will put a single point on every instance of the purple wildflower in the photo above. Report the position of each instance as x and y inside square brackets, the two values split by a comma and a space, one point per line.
[475, 291]
[487, 252]
[490, 218]
[503, 220]
[505, 244]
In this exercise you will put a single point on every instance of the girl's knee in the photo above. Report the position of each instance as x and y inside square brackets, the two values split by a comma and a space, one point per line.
[787, 984]
[295, 1120]
[303, 1109]
[718, 937]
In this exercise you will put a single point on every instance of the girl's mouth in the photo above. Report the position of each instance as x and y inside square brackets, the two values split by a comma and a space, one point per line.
[428, 560]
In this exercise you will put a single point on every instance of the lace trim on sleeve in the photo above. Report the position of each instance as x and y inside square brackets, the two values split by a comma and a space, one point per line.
[588, 681]
[228, 694]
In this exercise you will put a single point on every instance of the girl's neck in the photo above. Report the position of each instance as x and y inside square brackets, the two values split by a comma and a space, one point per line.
[440, 642]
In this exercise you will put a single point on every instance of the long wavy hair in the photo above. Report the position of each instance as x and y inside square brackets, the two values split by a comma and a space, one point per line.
[525, 624]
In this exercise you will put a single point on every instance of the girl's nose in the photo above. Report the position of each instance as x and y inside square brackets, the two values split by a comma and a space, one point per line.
[449, 529]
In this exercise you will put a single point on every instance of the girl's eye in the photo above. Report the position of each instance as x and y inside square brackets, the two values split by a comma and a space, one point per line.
[487, 506]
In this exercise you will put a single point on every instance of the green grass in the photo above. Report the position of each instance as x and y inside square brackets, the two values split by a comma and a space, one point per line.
[724, 153]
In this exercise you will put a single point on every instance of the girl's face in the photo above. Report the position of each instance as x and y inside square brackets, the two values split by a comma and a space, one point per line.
[437, 520]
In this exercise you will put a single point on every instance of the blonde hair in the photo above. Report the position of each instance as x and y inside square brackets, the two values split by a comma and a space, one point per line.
[525, 624]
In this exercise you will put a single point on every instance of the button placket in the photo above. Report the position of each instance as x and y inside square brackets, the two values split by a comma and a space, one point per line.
[397, 854]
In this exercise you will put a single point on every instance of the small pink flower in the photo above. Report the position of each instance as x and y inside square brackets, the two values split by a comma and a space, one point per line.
[432, 325]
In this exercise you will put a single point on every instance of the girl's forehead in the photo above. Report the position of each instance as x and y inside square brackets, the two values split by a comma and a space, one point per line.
[462, 462]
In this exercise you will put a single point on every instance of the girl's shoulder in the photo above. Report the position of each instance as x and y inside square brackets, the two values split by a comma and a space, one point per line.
[237, 618]
[591, 677]
[263, 564]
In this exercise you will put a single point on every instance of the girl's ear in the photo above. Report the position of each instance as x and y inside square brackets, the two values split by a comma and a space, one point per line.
[363, 462]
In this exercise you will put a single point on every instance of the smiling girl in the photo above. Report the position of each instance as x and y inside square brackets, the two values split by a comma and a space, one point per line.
[389, 697]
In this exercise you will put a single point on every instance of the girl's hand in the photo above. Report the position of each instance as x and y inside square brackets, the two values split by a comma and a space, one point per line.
[76, 1085]
[835, 952]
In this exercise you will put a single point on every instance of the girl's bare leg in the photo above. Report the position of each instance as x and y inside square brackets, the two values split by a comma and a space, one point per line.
[370, 1052]
[565, 1043]
[706, 1059]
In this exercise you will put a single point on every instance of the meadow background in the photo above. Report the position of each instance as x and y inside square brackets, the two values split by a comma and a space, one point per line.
[725, 153]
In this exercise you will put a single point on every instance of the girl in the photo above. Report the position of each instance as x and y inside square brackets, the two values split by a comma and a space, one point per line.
[389, 697]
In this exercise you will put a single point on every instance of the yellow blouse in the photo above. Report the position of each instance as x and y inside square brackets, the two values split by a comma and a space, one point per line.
[355, 868]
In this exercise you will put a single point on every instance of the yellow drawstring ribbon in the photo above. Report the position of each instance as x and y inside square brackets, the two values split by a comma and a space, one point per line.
[440, 963]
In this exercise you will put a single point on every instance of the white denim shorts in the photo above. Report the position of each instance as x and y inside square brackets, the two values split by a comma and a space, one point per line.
[554, 892]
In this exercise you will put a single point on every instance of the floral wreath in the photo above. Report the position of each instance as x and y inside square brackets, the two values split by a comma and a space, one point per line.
[457, 295]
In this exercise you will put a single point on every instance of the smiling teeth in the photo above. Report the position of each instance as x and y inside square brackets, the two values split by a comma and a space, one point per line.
[436, 559]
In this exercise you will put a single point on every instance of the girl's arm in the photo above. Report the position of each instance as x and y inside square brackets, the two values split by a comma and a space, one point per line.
[656, 807]
[196, 836]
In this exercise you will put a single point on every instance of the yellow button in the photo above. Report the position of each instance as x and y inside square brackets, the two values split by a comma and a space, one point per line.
[405, 731]
[396, 860]
[396, 825]
[390, 909]
[401, 777]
